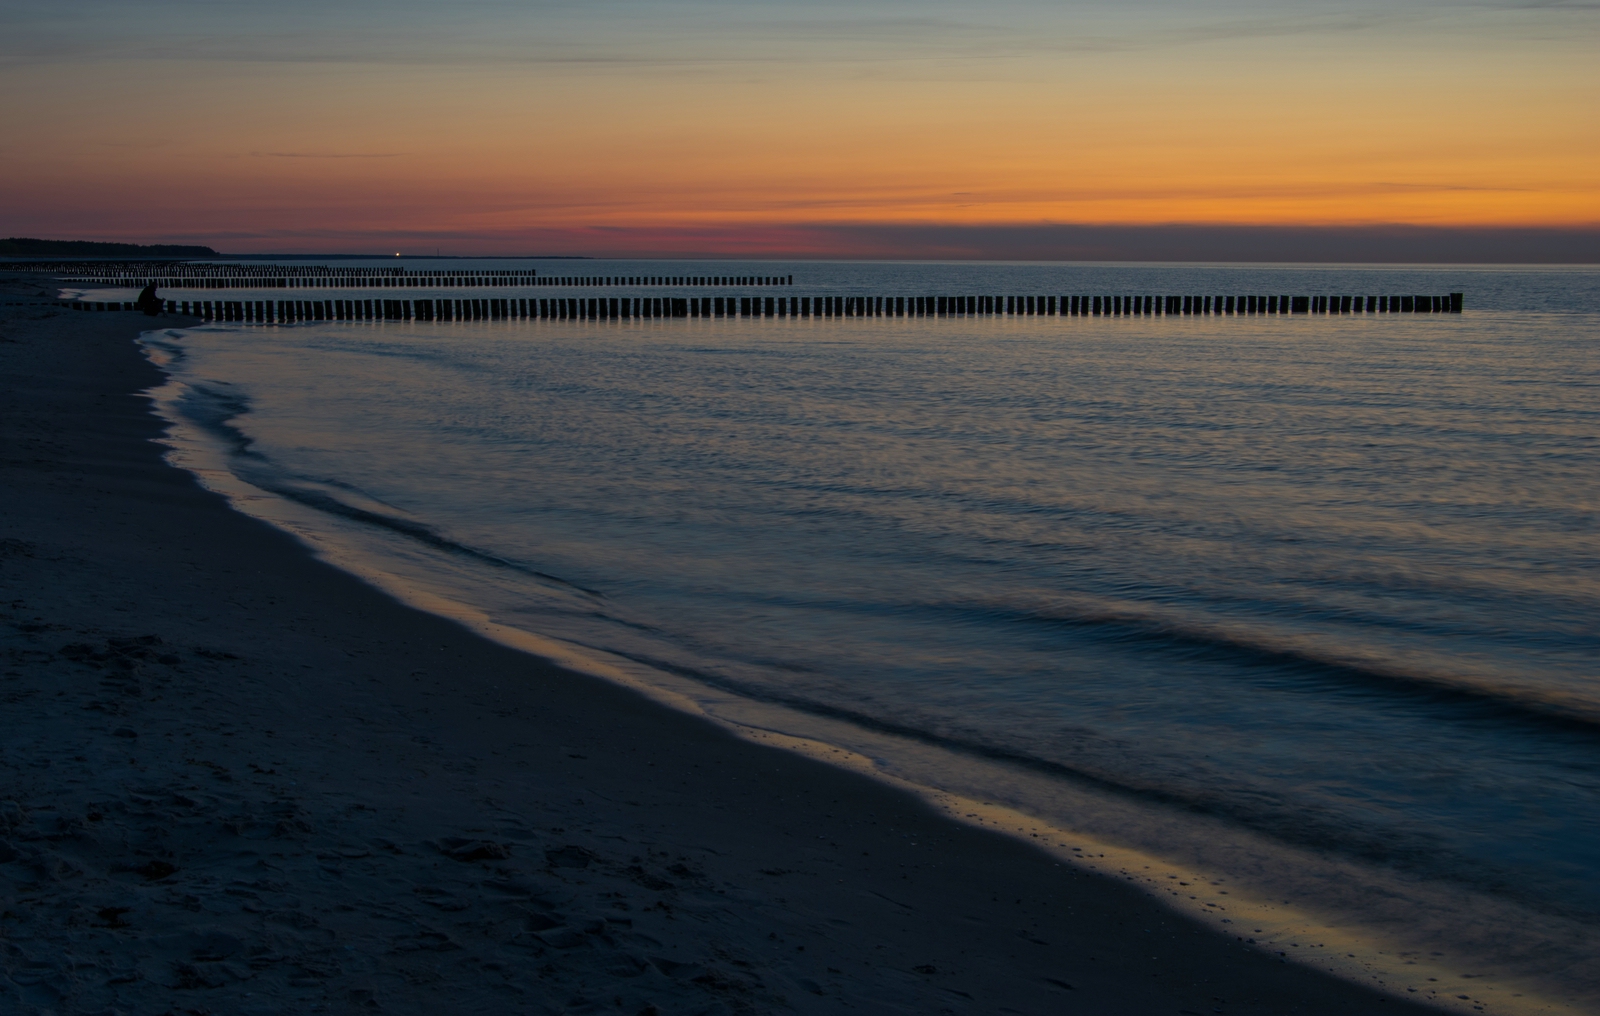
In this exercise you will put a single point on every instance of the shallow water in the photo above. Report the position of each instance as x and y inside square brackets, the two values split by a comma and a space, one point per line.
[1324, 584]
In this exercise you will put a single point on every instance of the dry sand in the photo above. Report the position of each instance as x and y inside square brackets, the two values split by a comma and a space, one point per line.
[236, 780]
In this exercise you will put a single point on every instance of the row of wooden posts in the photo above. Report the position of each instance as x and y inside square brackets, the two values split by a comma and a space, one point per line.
[182, 279]
[600, 308]
[130, 270]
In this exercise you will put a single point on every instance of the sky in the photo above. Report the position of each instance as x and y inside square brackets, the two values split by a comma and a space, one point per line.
[870, 128]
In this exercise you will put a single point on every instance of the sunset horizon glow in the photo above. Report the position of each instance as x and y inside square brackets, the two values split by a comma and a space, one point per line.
[877, 129]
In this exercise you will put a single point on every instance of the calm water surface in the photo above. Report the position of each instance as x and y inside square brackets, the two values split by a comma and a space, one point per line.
[1319, 586]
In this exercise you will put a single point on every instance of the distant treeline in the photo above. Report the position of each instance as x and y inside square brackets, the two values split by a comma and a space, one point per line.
[27, 247]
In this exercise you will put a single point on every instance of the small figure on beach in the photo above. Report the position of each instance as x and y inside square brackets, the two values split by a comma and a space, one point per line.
[148, 302]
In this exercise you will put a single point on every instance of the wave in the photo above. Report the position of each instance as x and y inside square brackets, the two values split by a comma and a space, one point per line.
[1302, 656]
[1292, 823]
[214, 410]
[214, 406]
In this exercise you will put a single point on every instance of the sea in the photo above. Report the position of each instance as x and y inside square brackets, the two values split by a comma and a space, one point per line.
[1295, 615]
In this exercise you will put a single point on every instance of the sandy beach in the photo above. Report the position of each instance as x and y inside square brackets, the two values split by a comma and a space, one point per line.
[238, 780]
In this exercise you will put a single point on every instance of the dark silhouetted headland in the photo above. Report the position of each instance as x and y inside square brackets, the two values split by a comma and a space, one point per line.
[29, 247]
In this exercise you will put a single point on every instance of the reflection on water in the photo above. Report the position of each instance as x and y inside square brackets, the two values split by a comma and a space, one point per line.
[1324, 586]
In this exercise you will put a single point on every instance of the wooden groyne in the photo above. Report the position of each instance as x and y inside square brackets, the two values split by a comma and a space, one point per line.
[632, 307]
[192, 276]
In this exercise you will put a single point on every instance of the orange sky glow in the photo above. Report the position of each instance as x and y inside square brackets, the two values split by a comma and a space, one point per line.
[674, 126]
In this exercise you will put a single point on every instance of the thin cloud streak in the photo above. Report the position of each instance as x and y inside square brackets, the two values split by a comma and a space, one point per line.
[697, 37]
[329, 155]
[857, 241]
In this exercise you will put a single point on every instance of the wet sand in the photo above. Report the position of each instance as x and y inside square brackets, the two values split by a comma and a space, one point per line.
[238, 780]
